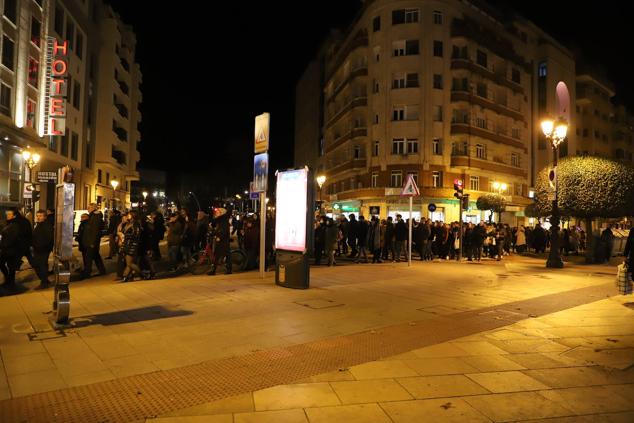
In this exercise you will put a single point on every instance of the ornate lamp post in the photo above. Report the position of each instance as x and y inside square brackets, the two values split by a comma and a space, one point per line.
[114, 184]
[555, 132]
[321, 179]
[30, 160]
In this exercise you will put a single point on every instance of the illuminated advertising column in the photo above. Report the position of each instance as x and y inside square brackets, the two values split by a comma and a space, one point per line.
[293, 227]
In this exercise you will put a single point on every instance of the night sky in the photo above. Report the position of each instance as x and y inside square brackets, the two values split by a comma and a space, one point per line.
[208, 72]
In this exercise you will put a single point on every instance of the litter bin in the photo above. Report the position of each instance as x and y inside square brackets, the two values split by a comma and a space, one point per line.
[291, 269]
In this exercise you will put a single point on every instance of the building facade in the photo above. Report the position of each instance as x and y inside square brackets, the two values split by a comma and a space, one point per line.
[439, 90]
[85, 30]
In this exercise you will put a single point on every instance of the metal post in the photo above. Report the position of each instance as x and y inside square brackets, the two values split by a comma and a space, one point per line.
[409, 246]
[554, 259]
[262, 234]
[460, 233]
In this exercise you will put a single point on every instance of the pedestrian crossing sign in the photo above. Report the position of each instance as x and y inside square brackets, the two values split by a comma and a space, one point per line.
[410, 189]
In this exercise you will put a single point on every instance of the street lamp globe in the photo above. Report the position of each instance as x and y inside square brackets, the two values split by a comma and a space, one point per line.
[36, 158]
[503, 186]
[496, 185]
[114, 183]
[26, 155]
[144, 195]
[320, 180]
[547, 126]
[561, 130]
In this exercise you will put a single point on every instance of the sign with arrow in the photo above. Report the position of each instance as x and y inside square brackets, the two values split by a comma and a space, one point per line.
[410, 189]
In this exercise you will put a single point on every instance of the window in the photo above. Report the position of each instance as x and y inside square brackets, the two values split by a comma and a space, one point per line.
[474, 183]
[515, 159]
[398, 146]
[481, 123]
[402, 80]
[11, 10]
[436, 147]
[515, 133]
[76, 95]
[52, 144]
[396, 179]
[375, 86]
[402, 16]
[5, 100]
[64, 147]
[99, 176]
[398, 113]
[436, 179]
[375, 180]
[376, 23]
[377, 53]
[460, 84]
[107, 178]
[357, 152]
[59, 21]
[30, 113]
[437, 114]
[597, 135]
[518, 190]
[79, 46]
[412, 146]
[70, 33]
[414, 176]
[481, 58]
[542, 71]
[437, 17]
[515, 76]
[460, 53]
[376, 119]
[74, 146]
[36, 31]
[375, 148]
[481, 152]
[481, 90]
[33, 71]
[405, 48]
[437, 48]
[7, 52]
[437, 81]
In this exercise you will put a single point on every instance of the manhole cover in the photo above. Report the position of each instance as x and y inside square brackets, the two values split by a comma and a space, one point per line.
[319, 303]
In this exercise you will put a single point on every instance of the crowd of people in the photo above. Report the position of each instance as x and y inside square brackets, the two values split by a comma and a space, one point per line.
[386, 239]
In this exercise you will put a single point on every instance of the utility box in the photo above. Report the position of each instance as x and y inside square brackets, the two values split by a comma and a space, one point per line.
[292, 270]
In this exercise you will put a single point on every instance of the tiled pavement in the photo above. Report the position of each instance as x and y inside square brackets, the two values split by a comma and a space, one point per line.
[137, 328]
[572, 366]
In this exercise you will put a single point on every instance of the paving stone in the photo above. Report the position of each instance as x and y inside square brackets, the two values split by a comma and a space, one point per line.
[517, 406]
[362, 413]
[441, 366]
[237, 404]
[368, 391]
[295, 396]
[446, 410]
[423, 387]
[492, 363]
[512, 381]
[589, 400]
[283, 416]
[382, 370]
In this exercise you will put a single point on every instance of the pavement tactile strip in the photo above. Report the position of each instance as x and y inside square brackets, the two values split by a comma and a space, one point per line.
[135, 398]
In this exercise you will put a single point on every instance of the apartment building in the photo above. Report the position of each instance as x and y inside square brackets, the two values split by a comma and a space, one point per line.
[86, 30]
[439, 90]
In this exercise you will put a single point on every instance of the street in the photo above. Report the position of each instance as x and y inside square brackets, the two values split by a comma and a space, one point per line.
[500, 314]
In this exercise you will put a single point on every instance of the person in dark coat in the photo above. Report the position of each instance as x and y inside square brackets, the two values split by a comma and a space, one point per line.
[221, 241]
[176, 226]
[131, 246]
[10, 248]
[91, 238]
[50, 217]
[353, 227]
[79, 237]
[401, 234]
[158, 234]
[607, 244]
[539, 239]
[251, 242]
[330, 240]
[25, 239]
[362, 239]
[145, 248]
[43, 238]
[628, 252]
[388, 243]
[320, 240]
[113, 224]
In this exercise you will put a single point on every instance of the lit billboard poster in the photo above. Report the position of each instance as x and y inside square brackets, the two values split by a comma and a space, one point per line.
[291, 202]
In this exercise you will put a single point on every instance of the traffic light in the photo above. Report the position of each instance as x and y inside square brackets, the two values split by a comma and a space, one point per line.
[457, 185]
[35, 193]
[465, 202]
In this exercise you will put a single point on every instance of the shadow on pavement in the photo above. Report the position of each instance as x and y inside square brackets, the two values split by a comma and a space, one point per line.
[128, 316]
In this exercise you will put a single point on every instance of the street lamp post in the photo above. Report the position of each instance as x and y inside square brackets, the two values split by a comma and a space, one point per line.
[144, 199]
[555, 132]
[114, 184]
[321, 179]
[30, 160]
[500, 187]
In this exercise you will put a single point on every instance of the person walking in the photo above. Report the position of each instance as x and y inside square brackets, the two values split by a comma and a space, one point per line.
[500, 236]
[175, 231]
[91, 238]
[330, 240]
[10, 248]
[353, 227]
[388, 243]
[131, 246]
[374, 240]
[42, 245]
[628, 253]
[251, 242]
[159, 234]
[520, 243]
[319, 240]
[362, 239]
[83, 222]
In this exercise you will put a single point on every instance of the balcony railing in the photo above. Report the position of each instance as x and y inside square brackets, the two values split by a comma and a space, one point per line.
[462, 124]
[354, 103]
[482, 100]
[501, 79]
[353, 133]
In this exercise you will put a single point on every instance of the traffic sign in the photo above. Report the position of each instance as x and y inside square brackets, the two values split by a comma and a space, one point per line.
[410, 189]
[431, 207]
[261, 136]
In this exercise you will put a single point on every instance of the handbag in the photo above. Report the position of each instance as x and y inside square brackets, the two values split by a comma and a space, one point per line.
[623, 282]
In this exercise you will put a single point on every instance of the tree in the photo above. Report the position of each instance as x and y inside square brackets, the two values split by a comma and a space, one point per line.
[588, 187]
[532, 211]
[493, 202]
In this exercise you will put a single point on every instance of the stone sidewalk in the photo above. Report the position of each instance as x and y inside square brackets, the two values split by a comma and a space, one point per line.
[575, 365]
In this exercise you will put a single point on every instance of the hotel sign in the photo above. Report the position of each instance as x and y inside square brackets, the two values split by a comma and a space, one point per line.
[56, 87]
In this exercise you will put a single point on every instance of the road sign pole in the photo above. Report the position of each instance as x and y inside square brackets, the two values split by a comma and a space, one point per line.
[262, 234]
[409, 255]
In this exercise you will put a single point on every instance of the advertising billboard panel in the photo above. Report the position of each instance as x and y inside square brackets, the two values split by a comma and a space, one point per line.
[291, 210]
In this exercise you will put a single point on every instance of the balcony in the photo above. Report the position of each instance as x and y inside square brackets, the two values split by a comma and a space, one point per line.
[123, 111]
[346, 165]
[360, 40]
[466, 161]
[354, 103]
[353, 133]
[125, 65]
[119, 156]
[487, 103]
[122, 134]
[463, 125]
[123, 87]
[356, 73]
[467, 64]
